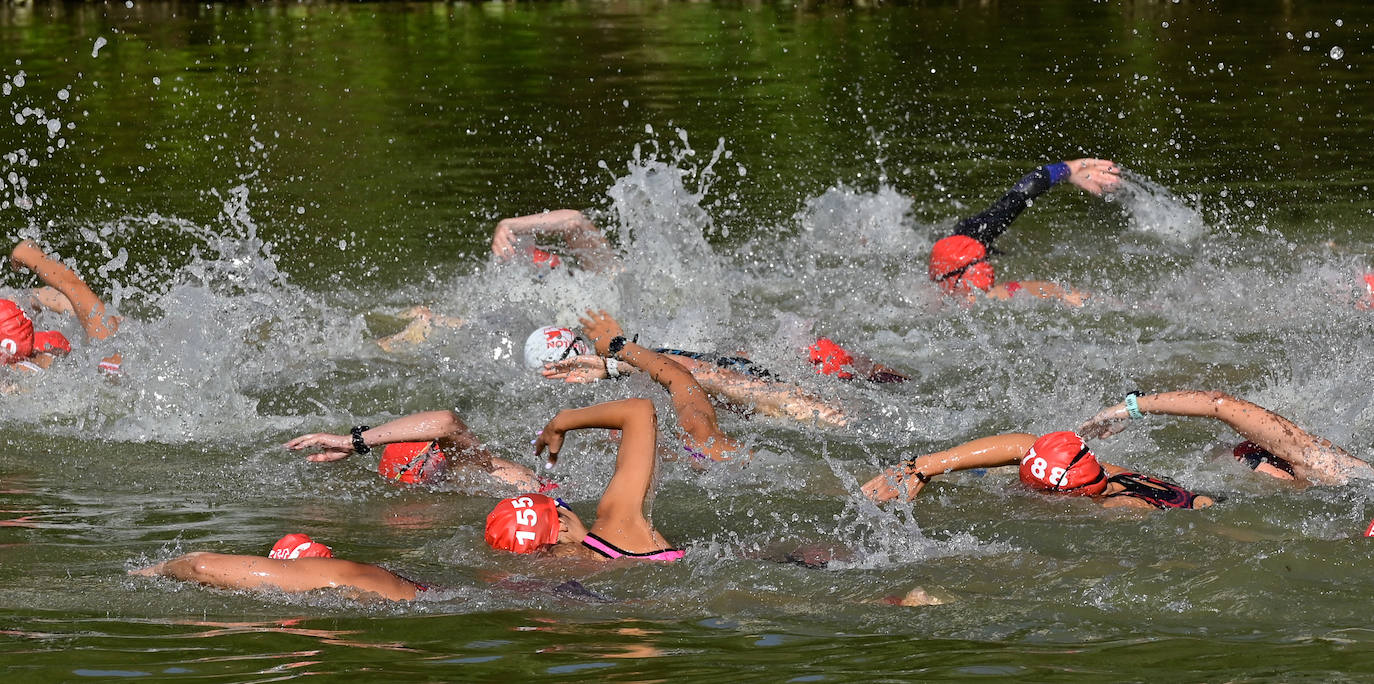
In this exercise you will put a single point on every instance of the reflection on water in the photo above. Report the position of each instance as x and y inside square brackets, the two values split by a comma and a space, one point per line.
[254, 191]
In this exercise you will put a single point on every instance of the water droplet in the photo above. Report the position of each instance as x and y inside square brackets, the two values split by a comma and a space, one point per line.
[63, 94]
[1337, 52]
[99, 43]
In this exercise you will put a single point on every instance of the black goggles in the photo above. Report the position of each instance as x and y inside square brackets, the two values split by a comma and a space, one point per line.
[959, 272]
[1101, 472]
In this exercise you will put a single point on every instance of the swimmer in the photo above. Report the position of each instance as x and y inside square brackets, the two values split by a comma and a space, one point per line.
[421, 448]
[828, 358]
[1274, 445]
[958, 263]
[737, 382]
[1060, 462]
[533, 523]
[703, 438]
[582, 238]
[423, 320]
[63, 292]
[296, 564]
[523, 524]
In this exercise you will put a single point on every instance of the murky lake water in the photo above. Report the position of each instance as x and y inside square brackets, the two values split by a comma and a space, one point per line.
[260, 189]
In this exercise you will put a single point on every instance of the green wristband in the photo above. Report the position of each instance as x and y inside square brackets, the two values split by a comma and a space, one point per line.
[1133, 407]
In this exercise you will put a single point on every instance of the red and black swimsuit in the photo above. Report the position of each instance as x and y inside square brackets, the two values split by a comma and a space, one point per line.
[1152, 490]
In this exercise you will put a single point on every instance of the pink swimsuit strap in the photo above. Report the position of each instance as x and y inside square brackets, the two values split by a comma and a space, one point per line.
[609, 550]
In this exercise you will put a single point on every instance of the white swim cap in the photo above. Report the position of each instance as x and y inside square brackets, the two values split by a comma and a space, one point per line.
[549, 344]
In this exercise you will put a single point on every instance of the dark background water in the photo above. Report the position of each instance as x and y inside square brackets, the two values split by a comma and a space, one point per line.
[281, 177]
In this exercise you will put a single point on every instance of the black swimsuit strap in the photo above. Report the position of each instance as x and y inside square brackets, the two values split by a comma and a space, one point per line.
[737, 363]
[1152, 490]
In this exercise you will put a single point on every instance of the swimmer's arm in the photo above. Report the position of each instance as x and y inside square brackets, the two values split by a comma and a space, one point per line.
[985, 452]
[634, 464]
[583, 368]
[577, 231]
[866, 367]
[444, 427]
[226, 571]
[777, 399]
[89, 310]
[1096, 176]
[1315, 459]
[51, 299]
[1041, 289]
[422, 322]
[695, 415]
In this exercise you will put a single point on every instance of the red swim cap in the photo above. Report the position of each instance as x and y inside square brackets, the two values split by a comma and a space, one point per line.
[830, 358]
[959, 263]
[412, 462]
[16, 332]
[297, 545]
[523, 524]
[539, 257]
[52, 342]
[1061, 462]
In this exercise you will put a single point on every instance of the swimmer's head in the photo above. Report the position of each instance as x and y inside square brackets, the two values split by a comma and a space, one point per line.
[18, 339]
[539, 257]
[1061, 462]
[16, 332]
[412, 462]
[830, 358]
[297, 545]
[549, 344]
[959, 263]
[523, 524]
[1260, 459]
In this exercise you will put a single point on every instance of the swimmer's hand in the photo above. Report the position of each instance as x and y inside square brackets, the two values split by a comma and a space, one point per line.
[25, 253]
[600, 328]
[503, 240]
[582, 368]
[1097, 176]
[891, 483]
[1106, 423]
[331, 447]
[551, 438]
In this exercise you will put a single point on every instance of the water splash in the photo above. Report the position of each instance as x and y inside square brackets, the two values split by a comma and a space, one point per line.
[1153, 209]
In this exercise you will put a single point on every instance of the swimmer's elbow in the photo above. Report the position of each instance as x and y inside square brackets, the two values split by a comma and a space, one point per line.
[450, 423]
[642, 410]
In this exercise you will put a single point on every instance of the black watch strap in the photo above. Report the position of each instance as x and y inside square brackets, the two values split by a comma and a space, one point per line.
[617, 343]
[359, 446]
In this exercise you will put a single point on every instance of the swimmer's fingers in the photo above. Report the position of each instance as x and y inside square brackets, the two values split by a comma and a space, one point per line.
[321, 440]
[549, 439]
[502, 241]
[600, 328]
[23, 253]
[417, 311]
[581, 368]
[1106, 423]
[330, 455]
[883, 487]
[1097, 176]
[154, 570]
